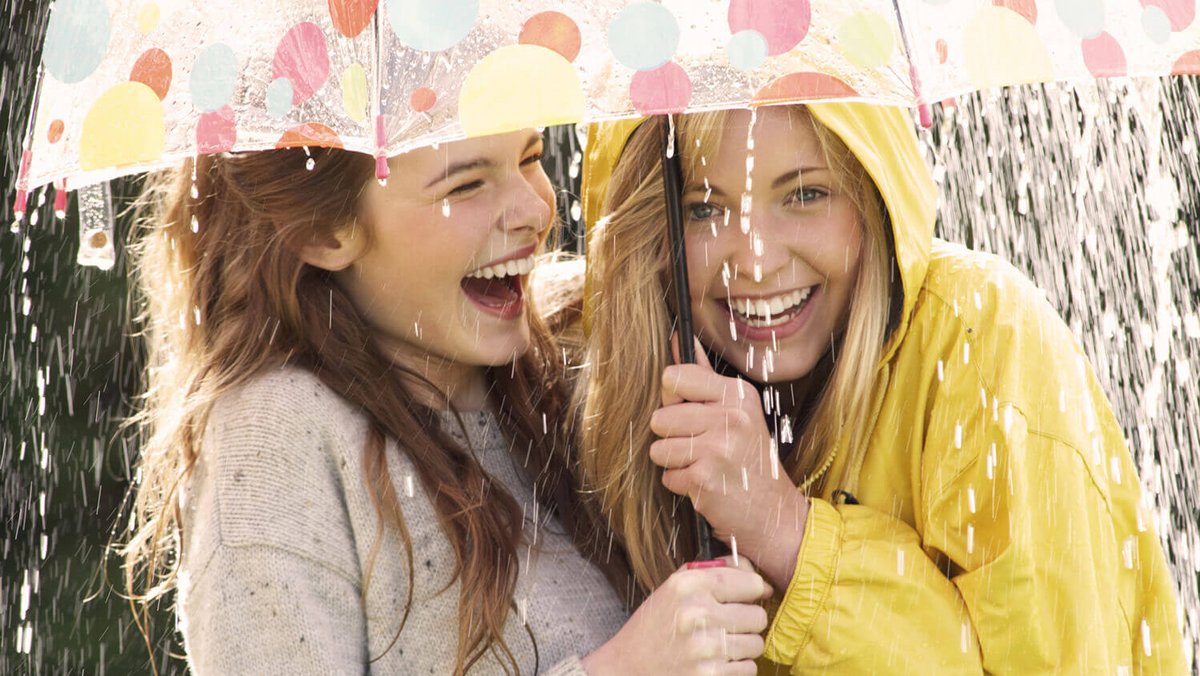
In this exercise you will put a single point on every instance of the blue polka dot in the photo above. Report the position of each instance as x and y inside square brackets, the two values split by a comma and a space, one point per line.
[1156, 24]
[432, 25]
[747, 50]
[76, 39]
[279, 97]
[643, 36]
[1085, 18]
[214, 76]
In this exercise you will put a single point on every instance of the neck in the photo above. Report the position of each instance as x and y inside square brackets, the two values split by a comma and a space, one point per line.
[443, 382]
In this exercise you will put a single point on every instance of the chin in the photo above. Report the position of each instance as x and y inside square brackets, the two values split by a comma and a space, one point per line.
[499, 350]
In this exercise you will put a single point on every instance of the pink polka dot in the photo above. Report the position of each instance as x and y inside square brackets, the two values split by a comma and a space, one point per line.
[1180, 13]
[666, 89]
[216, 132]
[422, 99]
[303, 58]
[783, 23]
[1104, 56]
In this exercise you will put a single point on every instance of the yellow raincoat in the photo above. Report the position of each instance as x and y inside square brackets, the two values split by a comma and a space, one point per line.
[1000, 525]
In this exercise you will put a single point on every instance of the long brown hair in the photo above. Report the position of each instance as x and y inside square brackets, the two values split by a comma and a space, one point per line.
[224, 297]
[630, 307]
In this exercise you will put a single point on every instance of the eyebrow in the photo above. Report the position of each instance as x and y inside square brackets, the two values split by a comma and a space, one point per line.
[782, 180]
[477, 163]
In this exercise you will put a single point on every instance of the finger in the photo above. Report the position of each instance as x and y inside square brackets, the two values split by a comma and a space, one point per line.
[687, 482]
[718, 645]
[742, 668]
[699, 383]
[742, 646]
[733, 585]
[741, 618]
[674, 453]
[685, 419]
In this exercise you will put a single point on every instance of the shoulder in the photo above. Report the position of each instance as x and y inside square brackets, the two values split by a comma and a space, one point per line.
[994, 332]
[280, 454]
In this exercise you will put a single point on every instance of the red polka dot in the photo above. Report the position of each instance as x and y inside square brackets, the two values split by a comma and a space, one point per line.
[55, 132]
[350, 17]
[1104, 56]
[309, 134]
[1026, 8]
[1180, 13]
[153, 69]
[422, 99]
[552, 30]
[943, 51]
[802, 86]
[1188, 64]
[666, 89]
[783, 23]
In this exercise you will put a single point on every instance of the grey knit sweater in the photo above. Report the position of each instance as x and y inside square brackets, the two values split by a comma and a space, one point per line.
[279, 529]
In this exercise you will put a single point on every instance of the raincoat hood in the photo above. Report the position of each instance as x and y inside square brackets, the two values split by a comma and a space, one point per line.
[883, 140]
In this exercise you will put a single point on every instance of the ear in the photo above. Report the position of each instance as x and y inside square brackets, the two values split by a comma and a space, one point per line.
[334, 251]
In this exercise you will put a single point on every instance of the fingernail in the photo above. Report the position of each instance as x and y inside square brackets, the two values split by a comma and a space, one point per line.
[714, 563]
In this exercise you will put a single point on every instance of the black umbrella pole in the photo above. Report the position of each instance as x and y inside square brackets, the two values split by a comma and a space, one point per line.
[673, 189]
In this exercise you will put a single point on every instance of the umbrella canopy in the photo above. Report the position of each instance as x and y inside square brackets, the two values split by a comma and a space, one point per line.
[132, 85]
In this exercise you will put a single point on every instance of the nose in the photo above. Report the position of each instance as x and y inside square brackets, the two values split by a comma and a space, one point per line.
[528, 204]
[758, 255]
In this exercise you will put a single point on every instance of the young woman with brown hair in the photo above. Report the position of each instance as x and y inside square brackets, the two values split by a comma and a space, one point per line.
[354, 455]
[942, 488]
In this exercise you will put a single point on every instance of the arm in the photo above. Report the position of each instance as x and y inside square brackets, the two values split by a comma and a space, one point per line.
[1031, 566]
[269, 576]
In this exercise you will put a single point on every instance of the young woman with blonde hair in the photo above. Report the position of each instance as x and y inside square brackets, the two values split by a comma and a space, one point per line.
[900, 433]
[354, 456]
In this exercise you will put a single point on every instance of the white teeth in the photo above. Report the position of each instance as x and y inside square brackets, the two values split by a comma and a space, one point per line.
[767, 311]
[507, 269]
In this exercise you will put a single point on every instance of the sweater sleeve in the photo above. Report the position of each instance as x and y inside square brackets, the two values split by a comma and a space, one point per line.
[269, 579]
[1024, 563]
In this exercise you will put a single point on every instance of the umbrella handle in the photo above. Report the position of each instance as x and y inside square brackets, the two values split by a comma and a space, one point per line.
[673, 190]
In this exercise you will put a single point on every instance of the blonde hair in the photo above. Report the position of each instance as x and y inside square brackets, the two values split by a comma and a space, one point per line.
[630, 315]
[225, 297]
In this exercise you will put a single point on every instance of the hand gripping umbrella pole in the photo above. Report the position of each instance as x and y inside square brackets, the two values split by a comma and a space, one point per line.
[673, 189]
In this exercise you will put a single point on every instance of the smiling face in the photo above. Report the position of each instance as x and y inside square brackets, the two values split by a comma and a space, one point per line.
[772, 269]
[450, 244]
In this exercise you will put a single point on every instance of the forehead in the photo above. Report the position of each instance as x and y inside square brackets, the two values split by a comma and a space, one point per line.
[783, 136]
[437, 158]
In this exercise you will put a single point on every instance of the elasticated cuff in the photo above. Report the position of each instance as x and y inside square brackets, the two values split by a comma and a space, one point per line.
[808, 591]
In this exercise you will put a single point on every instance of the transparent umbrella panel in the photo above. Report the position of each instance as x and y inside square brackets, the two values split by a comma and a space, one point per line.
[129, 85]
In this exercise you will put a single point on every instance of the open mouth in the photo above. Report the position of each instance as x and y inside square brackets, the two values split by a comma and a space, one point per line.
[498, 288]
[768, 312]
[769, 318]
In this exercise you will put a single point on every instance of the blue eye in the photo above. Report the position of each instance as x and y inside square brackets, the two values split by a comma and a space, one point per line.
[704, 211]
[804, 196]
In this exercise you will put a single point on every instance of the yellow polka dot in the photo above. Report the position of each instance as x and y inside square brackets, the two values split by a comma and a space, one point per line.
[147, 18]
[1003, 48]
[124, 126]
[500, 94]
[354, 92]
[865, 39]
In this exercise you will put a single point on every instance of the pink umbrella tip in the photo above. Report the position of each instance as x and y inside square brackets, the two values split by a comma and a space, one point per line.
[926, 115]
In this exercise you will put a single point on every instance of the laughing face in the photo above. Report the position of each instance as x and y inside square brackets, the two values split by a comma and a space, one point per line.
[451, 239]
[771, 268]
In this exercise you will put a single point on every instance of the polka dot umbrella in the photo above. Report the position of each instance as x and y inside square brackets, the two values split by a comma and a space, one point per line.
[133, 85]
